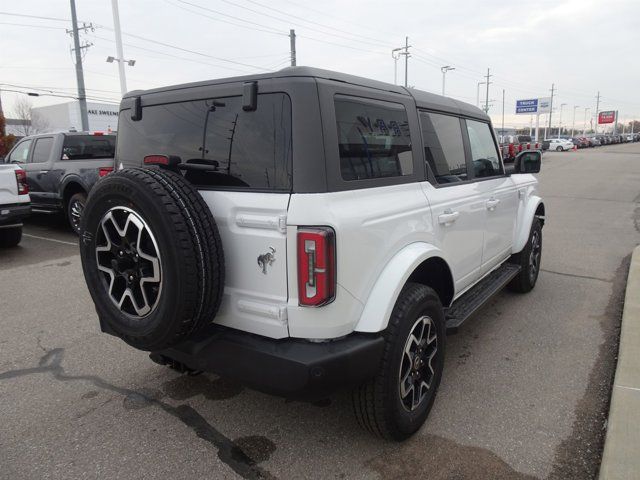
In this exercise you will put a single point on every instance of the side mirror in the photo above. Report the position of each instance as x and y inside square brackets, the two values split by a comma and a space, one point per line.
[528, 161]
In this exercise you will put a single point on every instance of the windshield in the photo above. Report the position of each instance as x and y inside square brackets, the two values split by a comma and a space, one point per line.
[77, 147]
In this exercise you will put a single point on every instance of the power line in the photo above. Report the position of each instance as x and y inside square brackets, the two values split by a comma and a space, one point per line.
[33, 26]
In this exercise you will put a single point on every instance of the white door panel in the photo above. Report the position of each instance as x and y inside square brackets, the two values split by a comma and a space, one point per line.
[253, 224]
[501, 208]
[458, 221]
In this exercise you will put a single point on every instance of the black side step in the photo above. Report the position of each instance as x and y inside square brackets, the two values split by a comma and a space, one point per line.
[477, 296]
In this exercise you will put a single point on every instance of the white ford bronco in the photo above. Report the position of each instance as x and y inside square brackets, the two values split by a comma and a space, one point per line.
[305, 231]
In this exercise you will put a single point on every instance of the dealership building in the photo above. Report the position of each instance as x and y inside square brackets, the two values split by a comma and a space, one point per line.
[103, 117]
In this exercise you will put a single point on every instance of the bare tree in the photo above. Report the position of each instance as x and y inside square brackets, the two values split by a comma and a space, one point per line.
[30, 122]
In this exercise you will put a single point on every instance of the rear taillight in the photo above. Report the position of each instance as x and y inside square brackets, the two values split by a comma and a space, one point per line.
[103, 171]
[21, 180]
[316, 266]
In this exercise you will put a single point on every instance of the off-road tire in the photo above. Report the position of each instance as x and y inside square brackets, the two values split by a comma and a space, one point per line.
[77, 200]
[10, 237]
[527, 277]
[377, 403]
[189, 248]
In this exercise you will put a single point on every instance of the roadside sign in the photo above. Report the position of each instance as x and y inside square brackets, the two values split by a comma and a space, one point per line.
[533, 106]
[607, 117]
[526, 107]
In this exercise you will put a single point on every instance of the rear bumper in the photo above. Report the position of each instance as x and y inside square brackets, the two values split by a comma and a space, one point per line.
[292, 368]
[13, 214]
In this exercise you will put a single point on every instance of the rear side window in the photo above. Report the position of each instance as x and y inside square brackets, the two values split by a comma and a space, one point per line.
[84, 147]
[486, 161]
[373, 139]
[243, 149]
[443, 147]
[42, 150]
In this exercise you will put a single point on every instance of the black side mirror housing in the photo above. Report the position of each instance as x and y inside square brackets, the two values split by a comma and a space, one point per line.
[528, 161]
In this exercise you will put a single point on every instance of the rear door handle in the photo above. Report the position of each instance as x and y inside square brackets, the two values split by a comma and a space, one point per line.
[448, 217]
[492, 203]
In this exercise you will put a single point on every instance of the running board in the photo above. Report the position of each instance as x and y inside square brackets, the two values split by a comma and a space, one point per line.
[478, 295]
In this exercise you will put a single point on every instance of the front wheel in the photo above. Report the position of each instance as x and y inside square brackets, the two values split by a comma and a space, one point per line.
[529, 260]
[396, 402]
[559, 149]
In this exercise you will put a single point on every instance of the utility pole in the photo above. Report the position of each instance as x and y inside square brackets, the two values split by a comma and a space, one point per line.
[478, 94]
[551, 109]
[82, 96]
[597, 111]
[503, 109]
[292, 41]
[444, 71]
[486, 101]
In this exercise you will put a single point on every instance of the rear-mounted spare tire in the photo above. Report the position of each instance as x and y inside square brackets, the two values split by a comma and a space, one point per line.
[152, 257]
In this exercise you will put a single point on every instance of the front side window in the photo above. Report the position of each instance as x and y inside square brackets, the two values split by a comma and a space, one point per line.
[243, 149]
[486, 161]
[21, 153]
[42, 150]
[373, 139]
[443, 147]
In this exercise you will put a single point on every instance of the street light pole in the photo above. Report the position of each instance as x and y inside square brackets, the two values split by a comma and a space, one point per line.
[120, 59]
[396, 57]
[573, 125]
[444, 71]
[560, 120]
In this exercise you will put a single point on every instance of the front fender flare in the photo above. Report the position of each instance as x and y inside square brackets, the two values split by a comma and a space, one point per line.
[382, 298]
[523, 227]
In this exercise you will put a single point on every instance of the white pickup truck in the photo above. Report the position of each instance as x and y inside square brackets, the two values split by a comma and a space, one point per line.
[15, 204]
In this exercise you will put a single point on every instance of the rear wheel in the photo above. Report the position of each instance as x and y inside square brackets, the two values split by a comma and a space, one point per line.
[10, 237]
[75, 207]
[559, 149]
[396, 402]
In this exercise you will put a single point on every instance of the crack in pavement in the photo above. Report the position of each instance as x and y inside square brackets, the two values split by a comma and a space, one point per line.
[228, 452]
[575, 275]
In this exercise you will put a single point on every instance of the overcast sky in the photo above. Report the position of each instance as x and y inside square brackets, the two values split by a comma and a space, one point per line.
[582, 46]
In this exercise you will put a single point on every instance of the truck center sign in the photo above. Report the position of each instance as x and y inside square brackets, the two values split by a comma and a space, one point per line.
[607, 117]
[533, 106]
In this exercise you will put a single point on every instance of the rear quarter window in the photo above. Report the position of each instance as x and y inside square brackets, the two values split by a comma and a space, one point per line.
[244, 149]
[373, 139]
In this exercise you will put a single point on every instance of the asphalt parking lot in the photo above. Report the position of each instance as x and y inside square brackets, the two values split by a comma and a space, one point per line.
[525, 390]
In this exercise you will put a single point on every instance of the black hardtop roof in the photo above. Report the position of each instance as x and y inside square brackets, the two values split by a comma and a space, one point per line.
[423, 99]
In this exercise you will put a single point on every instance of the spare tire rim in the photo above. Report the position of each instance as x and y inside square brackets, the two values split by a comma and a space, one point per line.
[128, 256]
[417, 369]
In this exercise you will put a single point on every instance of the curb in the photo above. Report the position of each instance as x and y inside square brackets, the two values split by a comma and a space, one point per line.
[621, 456]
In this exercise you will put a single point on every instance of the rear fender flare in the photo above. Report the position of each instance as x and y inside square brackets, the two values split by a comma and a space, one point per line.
[521, 234]
[378, 307]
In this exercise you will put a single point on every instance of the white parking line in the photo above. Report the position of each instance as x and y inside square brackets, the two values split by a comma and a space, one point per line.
[49, 239]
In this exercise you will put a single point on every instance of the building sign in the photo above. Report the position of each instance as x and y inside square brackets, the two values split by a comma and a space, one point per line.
[108, 113]
[607, 117]
[533, 106]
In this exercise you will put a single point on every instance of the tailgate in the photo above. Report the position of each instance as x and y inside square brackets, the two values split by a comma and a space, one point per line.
[8, 185]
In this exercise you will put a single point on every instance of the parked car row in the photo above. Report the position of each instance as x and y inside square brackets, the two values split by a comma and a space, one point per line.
[61, 169]
[512, 145]
[582, 141]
